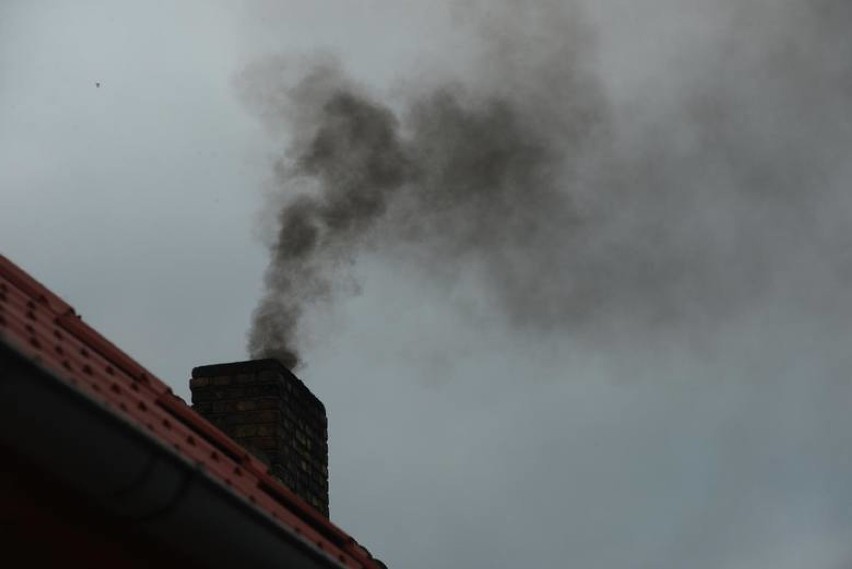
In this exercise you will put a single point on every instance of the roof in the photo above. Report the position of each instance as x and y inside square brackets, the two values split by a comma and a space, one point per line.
[51, 344]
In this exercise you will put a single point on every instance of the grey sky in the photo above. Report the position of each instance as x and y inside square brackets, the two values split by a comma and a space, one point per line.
[458, 440]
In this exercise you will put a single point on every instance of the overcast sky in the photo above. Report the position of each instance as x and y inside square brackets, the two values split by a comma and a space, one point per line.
[137, 181]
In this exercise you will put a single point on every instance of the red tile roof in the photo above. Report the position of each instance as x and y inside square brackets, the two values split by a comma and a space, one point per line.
[46, 330]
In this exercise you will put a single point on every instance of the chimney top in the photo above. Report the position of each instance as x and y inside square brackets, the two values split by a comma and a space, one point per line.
[231, 368]
[252, 367]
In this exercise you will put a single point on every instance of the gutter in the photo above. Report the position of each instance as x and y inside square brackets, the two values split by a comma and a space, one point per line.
[136, 478]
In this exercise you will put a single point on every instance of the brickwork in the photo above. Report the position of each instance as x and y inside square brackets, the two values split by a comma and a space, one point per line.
[269, 411]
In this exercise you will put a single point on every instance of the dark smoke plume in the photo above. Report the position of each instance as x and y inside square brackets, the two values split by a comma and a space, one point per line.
[673, 212]
[352, 149]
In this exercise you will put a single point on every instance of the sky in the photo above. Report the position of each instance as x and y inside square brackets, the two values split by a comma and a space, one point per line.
[630, 350]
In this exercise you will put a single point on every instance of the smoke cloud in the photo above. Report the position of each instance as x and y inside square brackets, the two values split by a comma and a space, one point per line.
[350, 147]
[724, 185]
[660, 191]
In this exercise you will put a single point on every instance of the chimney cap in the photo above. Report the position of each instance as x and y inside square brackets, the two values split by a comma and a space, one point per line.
[253, 366]
[234, 368]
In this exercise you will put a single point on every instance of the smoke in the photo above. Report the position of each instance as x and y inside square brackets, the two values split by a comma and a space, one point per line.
[351, 148]
[676, 210]
[624, 182]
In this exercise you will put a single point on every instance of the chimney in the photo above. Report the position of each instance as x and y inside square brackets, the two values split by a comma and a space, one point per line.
[269, 411]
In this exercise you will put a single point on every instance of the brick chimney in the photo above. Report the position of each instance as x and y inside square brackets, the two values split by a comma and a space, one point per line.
[270, 412]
